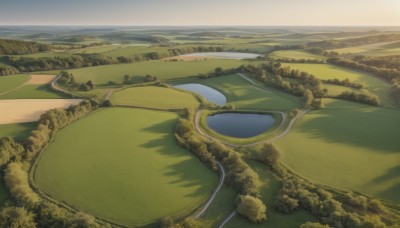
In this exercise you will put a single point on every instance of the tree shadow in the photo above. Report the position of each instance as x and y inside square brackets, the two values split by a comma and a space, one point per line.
[356, 126]
[187, 172]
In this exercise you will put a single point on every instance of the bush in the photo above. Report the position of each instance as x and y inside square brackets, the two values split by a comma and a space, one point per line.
[313, 225]
[17, 217]
[252, 208]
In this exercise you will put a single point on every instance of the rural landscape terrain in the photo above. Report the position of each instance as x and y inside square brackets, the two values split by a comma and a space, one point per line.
[240, 126]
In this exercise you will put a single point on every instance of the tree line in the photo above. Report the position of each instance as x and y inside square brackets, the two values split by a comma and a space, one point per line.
[20, 47]
[28, 209]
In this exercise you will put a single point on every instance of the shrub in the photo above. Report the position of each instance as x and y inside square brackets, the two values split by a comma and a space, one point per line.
[252, 208]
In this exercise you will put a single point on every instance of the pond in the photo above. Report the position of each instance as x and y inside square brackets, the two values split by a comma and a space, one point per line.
[225, 55]
[212, 95]
[240, 125]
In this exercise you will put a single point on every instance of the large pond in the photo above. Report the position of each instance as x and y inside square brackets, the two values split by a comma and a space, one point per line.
[240, 125]
[225, 55]
[209, 93]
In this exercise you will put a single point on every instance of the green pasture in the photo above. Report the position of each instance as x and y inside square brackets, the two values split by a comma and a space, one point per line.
[244, 95]
[33, 92]
[369, 82]
[18, 131]
[347, 145]
[376, 49]
[154, 97]
[295, 54]
[10, 82]
[162, 69]
[123, 165]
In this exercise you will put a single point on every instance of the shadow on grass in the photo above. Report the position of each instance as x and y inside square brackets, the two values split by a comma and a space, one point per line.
[361, 126]
[391, 176]
[190, 172]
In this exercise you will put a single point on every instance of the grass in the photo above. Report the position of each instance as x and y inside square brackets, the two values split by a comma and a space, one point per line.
[123, 165]
[244, 95]
[293, 54]
[162, 69]
[376, 49]
[269, 191]
[370, 83]
[347, 145]
[11, 82]
[154, 97]
[33, 92]
[19, 131]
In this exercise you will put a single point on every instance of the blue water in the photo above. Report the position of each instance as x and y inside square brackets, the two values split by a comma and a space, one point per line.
[209, 93]
[240, 125]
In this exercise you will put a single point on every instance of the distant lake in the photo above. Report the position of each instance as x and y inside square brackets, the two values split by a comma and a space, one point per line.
[225, 55]
[212, 95]
[240, 125]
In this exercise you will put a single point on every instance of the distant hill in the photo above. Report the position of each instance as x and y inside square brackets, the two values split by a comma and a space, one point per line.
[209, 34]
[19, 47]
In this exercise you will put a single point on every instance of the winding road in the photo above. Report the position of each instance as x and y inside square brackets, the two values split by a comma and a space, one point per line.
[280, 135]
[212, 197]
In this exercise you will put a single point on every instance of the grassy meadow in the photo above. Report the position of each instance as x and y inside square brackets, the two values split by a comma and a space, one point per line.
[123, 165]
[18, 131]
[375, 49]
[33, 92]
[347, 145]
[162, 69]
[154, 97]
[244, 95]
[369, 82]
[294, 54]
[10, 82]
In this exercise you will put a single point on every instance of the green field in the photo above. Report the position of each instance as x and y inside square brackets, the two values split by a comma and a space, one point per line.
[347, 145]
[162, 69]
[10, 82]
[370, 83]
[376, 49]
[33, 92]
[293, 54]
[154, 97]
[18, 131]
[124, 165]
[244, 95]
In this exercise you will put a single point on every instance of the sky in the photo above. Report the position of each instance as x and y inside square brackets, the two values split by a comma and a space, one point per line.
[201, 12]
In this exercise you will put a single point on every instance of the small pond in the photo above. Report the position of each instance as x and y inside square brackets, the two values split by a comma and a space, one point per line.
[209, 93]
[240, 125]
[225, 55]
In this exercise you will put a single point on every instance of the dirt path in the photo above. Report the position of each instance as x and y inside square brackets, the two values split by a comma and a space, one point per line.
[212, 197]
[25, 83]
[230, 216]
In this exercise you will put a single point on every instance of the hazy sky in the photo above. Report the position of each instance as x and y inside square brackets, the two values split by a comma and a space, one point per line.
[200, 12]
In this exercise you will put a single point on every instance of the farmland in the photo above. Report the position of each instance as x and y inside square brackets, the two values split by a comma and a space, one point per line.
[163, 70]
[154, 97]
[135, 149]
[369, 82]
[295, 55]
[131, 144]
[28, 110]
[335, 140]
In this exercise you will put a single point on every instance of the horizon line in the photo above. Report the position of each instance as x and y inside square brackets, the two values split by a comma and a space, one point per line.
[116, 25]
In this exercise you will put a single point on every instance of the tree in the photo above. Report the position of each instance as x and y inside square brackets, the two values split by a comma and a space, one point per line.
[17, 217]
[90, 84]
[126, 79]
[252, 208]
[267, 154]
[309, 97]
